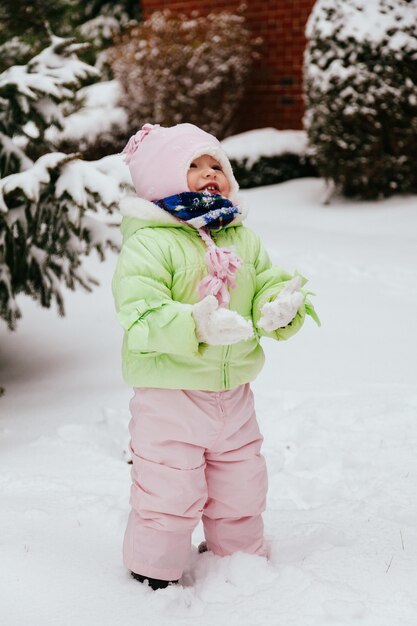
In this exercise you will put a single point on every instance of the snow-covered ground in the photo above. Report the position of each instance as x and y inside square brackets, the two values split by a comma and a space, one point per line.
[264, 142]
[337, 406]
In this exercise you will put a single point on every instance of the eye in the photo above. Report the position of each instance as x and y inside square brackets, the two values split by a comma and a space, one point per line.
[217, 167]
[193, 165]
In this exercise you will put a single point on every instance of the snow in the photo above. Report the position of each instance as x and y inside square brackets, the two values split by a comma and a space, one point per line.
[48, 73]
[10, 147]
[31, 180]
[264, 142]
[337, 406]
[341, 35]
[104, 177]
[79, 176]
[99, 114]
[49, 62]
[100, 27]
[366, 20]
[30, 84]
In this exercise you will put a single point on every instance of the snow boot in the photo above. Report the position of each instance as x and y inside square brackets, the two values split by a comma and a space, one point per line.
[154, 583]
[202, 547]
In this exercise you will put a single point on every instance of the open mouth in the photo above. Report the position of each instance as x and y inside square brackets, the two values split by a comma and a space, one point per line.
[211, 188]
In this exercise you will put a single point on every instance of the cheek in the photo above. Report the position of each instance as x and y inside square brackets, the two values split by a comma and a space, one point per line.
[192, 179]
[226, 187]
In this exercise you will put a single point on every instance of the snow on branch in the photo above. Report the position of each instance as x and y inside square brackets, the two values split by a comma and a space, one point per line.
[87, 185]
[31, 180]
[49, 62]
[35, 91]
[9, 151]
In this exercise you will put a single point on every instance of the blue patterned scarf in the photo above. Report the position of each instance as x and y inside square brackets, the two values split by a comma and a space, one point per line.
[200, 209]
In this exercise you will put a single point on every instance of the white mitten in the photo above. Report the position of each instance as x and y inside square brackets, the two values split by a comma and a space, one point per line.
[281, 311]
[217, 326]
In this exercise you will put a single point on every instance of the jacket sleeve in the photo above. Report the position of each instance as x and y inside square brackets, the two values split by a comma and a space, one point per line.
[153, 321]
[270, 280]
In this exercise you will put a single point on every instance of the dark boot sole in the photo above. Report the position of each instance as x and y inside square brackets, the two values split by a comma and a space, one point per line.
[154, 583]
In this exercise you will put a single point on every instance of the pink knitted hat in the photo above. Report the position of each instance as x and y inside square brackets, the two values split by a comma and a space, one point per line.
[159, 158]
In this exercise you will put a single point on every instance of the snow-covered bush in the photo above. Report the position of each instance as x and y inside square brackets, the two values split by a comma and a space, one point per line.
[97, 22]
[174, 68]
[268, 156]
[24, 26]
[98, 127]
[272, 170]
[48, 200]
[100, 22]
[14, 49]
[361, 94]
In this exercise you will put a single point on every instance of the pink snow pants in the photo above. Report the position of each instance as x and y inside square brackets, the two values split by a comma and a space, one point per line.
[196, 455]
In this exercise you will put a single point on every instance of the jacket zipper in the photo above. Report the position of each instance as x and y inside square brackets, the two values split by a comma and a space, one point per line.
[225, 362]
[225, 367]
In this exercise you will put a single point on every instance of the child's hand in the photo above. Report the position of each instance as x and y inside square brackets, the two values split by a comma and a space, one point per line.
[281, 311]
[217, 326]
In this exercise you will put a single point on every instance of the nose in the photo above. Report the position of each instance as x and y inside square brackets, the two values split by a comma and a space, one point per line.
[209, 171]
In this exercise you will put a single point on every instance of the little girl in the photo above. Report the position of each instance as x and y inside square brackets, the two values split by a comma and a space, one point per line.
[194, 291]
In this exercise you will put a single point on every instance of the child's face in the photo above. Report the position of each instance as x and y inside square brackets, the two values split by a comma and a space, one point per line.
[206, 174]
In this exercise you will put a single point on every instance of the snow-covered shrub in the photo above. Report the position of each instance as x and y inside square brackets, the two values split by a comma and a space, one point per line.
[24, 26]
[272, 170]
[98, 127]
[100, 22]
[48, 200]
[361, 94]
[13, 49]
[95, 22]
[268, 156]
[174, 68]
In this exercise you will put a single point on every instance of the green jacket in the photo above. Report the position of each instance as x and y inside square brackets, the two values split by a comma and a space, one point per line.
[155, 283]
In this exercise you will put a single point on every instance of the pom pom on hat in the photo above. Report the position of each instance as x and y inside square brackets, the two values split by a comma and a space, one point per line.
[133, 143]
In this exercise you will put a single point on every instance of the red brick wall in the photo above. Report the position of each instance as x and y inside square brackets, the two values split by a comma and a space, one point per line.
[274, 96]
